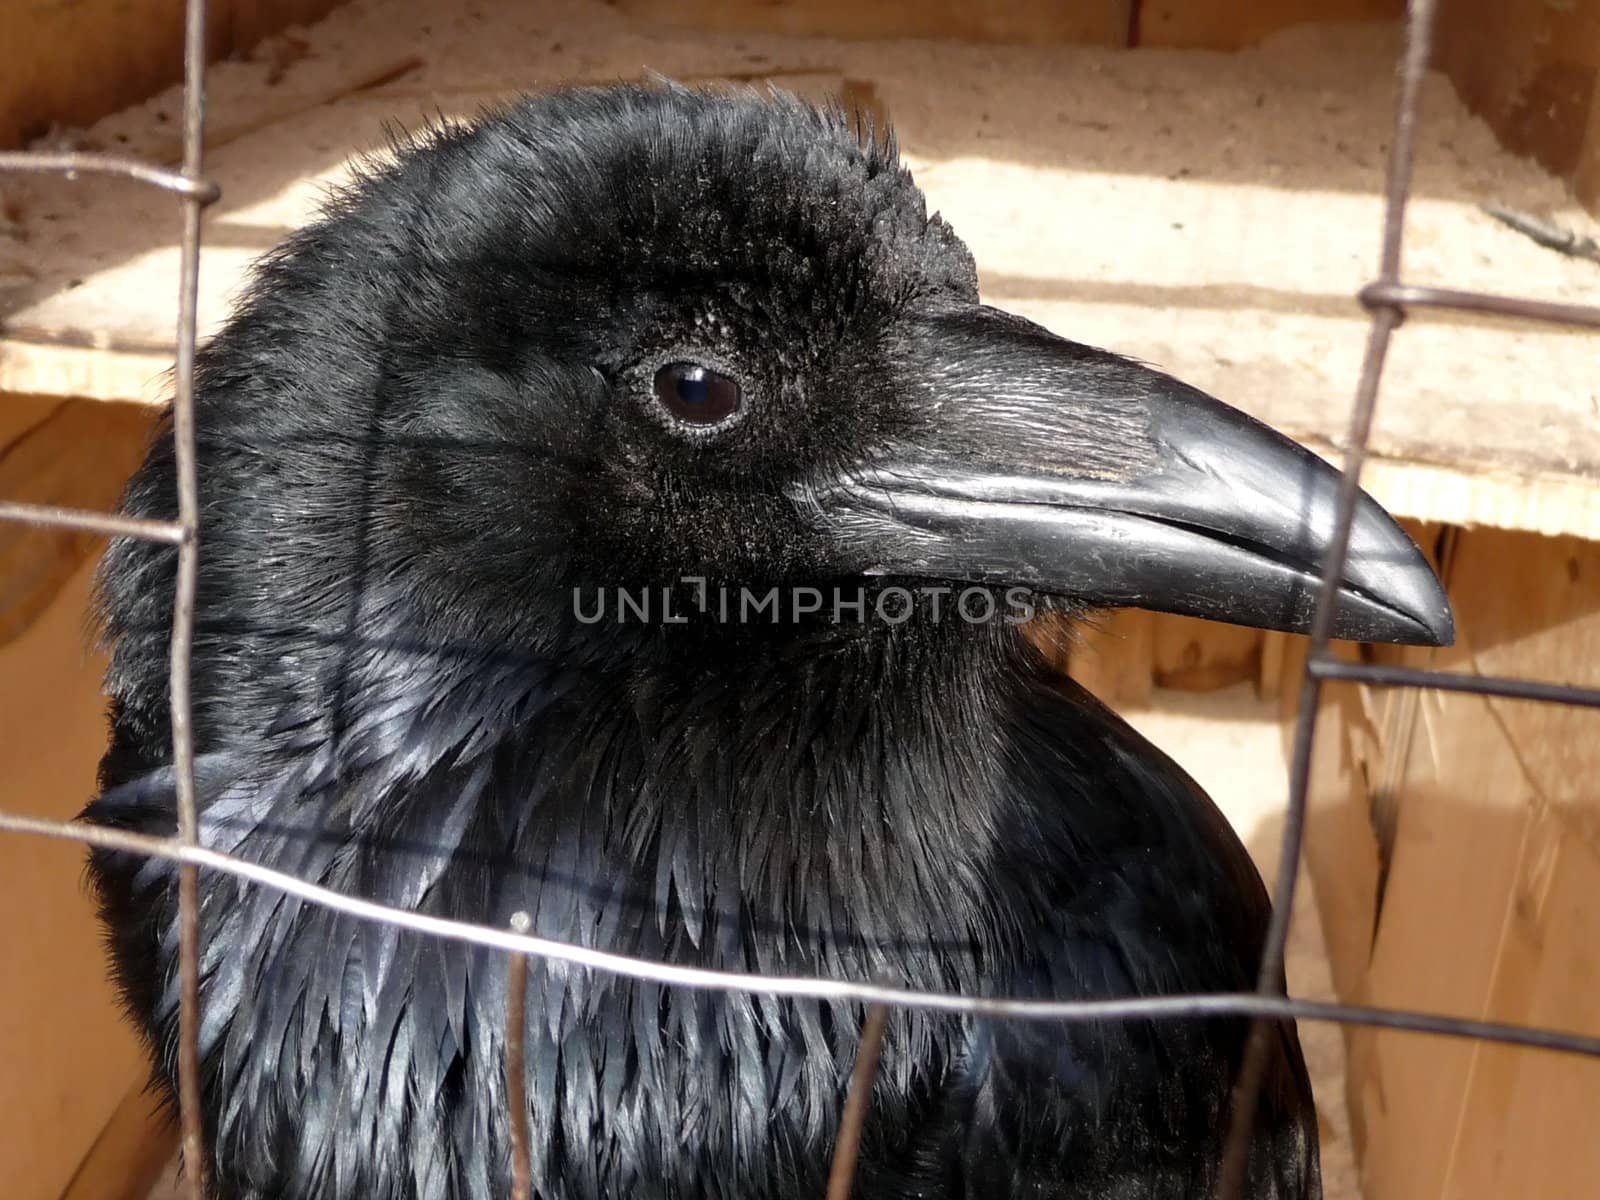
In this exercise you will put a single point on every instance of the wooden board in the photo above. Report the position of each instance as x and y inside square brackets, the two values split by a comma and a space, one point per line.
[1124, 655]
[1192, 24]
[1531, 70]
[62, 452]
[68, 1058]
[131, 1153]
[1101, 22]
[1228, 25]
[1455, 843]
[65, 65]
[1213, 215]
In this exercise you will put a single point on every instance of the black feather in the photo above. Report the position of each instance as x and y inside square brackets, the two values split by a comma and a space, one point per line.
[419, 432]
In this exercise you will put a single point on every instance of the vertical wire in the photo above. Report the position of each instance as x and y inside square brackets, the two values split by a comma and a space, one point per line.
[1385, 320]
[847, 1145]
[194, 66]
[517, 1065]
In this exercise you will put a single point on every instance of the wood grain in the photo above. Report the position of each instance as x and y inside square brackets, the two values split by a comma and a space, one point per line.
[1530, 70]
[1229, 25]
[77, 454]
[65, 65]
[1216, 223]
[131, 1152]
[69, 1058]
[1459, 838]
[1098, 22]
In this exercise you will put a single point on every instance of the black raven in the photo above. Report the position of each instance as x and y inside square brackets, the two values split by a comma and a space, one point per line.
[618, 510]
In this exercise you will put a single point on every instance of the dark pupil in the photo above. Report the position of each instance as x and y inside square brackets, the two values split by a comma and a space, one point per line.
[695, 395]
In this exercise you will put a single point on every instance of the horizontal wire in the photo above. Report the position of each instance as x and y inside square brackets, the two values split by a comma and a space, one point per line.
[1209, 1004]
[203, 190]
[111, 524]
[1385, 675]
[1394, 294]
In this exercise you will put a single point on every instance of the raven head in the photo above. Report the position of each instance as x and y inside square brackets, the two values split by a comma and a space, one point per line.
[628, 335]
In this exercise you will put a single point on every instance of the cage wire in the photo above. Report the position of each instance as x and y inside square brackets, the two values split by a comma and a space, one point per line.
[1387, 299]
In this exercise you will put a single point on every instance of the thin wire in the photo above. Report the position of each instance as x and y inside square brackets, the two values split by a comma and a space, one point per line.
[517, 1065]
[1385, 320]
[111, 524]
[189, 1092]
[847, 1145]
[1384, 675]
[1391, 293]
[1211, 1004]
[189, 186]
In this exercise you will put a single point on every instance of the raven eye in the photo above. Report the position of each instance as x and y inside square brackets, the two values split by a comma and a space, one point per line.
[695, 395]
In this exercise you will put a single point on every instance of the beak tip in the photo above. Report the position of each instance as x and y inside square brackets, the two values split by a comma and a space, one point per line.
[1412, 608]
[1439, 624]
[1442, 627]
[1434, 627]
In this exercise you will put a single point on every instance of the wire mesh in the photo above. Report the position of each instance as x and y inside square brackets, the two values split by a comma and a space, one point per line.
[1387, 298]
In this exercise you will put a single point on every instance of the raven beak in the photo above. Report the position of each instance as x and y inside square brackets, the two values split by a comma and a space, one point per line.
[1068, 470]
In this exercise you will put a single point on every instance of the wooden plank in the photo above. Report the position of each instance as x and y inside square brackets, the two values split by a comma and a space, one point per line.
[1113, 655]
[1229, 25]
[1532, 607]
[1192, 655]
[1340, 849]
[66, 65]
[69, 1058]
[1530, 70]
[78, 455]
[1528, 1127]
[1445, 902]
[1484, 821]
[1586, 174]
[1098, 22]
[1063, 167]
[131, 1152]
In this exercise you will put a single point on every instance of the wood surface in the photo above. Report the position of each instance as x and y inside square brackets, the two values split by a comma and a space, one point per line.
[1229, 24]
[69, 1059]
[1211, 214]
[133, 1150]
[1096, 22]
[1455, 845]
[65, 65]
[1530, 70]
[77, 453]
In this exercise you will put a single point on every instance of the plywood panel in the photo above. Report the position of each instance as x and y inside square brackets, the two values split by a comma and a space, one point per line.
[1192, 655]
[1530, 70]
[65, 65]
[1528, 1128]
[128, 1157]
[1532, 608]
[1100, 22]
[1340, 849]
[78, 454]
[1445, 903]
[1228, 25]
[69, 1059]
[1113, 655]
[1484, 816]
[1215, 222]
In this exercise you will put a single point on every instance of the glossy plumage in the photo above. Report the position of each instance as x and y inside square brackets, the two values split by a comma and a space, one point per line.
[428, 422]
